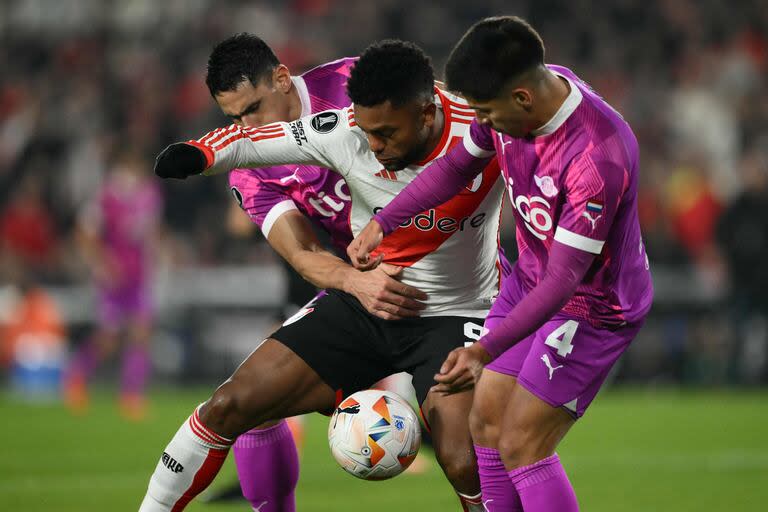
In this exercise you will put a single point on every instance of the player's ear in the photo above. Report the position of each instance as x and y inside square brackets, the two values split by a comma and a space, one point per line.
[281, 78]
[523, 98]
[429, 111]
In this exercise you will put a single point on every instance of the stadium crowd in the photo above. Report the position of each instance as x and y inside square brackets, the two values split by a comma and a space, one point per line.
[84, 79]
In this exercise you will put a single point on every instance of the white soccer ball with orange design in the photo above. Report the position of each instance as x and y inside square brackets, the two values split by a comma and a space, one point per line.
[374, 434]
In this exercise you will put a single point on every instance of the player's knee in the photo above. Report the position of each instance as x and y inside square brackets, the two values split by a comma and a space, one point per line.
[225, 413]
[517, 447]
[482, 425]
[459, 466]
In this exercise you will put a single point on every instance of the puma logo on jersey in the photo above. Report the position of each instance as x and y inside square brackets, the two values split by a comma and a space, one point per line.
[549, 366]
[294, 177]
[592, 221]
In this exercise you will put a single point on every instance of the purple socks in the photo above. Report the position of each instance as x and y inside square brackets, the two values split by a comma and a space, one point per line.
[268, 468]
[135, 370]
[499, 494]
[544, 487]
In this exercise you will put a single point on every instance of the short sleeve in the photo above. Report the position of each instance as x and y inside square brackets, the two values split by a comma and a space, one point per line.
[263, 203]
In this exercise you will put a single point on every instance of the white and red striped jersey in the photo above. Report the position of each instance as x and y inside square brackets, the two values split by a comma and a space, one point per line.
[450, 252]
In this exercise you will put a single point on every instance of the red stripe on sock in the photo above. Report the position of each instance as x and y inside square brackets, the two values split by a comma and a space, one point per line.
[217, 439]
[203, 477]
[201, 433]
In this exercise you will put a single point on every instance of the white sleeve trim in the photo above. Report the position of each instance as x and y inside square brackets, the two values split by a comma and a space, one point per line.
[474, 149]
[275, 213]
[578, 241]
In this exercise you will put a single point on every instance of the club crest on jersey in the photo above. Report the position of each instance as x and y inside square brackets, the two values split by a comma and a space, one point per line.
[238, 196]
[546, 184]
[324, 122]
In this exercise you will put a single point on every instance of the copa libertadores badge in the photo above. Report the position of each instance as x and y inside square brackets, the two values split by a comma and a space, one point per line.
[324, 122]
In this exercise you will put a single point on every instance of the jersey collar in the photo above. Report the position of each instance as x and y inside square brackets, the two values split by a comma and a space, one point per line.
[564, 112]
[301, 88]
[442, 103]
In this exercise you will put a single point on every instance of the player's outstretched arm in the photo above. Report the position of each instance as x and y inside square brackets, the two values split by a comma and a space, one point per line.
[235, 146]
[379, 291]
[436, 184]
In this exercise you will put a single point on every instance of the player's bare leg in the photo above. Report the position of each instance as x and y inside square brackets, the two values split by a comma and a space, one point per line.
[530, 431]
[272, 383]
[447, 416]
[492, 394]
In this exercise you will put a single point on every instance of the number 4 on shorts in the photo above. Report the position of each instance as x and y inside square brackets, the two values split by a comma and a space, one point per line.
[562, 336]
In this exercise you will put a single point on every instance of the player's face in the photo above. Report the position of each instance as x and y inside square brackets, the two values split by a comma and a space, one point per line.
[266, 102]
[509, 113]
[397, 135]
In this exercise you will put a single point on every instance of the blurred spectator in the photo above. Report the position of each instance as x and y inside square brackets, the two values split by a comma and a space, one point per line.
[743, 236]
[32, 342]
[27, 232]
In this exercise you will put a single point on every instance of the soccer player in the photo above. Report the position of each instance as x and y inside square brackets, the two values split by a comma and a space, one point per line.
[581, 287]
[253, 88]
[333, 346]
[117, 231]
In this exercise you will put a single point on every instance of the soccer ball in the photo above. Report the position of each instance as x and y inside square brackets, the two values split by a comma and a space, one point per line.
[374, 434]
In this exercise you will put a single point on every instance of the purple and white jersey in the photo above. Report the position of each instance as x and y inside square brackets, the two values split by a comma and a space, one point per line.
[575, 181]
[323, 196]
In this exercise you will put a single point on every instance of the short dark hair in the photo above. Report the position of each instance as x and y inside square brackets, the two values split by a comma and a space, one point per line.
[391, 70]
[491, 53]
[236, 59]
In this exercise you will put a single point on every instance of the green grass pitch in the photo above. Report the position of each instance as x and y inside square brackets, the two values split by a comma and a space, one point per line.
[633, 451]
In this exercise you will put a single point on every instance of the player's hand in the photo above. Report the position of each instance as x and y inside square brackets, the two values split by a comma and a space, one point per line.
[382, 295]
[359, 251]
[461, 369]
[179, 161]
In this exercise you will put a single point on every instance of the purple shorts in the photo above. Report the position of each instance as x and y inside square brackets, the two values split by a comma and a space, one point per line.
[565, 362]
[118, 306]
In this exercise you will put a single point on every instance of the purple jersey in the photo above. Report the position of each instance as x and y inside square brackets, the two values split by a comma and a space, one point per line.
[575, 181]
[126, 215]
[318, 193]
